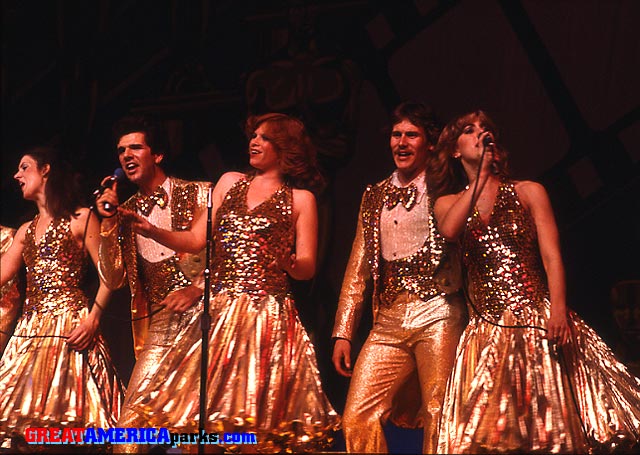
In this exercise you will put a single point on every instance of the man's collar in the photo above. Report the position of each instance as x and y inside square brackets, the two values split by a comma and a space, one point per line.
[419, 181]
[166, 184]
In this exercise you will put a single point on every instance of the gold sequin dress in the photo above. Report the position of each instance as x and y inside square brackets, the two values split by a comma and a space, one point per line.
[509, 391]
[262, 375]
[43, 382]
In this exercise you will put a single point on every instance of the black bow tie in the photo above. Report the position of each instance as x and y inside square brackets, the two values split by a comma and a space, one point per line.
[408, 196]
[144, 204]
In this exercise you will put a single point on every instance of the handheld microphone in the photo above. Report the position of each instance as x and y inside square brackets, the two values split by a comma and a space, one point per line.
[118, 174]
[487, 141]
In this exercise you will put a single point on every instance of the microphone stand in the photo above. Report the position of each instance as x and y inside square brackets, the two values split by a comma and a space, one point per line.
[205, 325]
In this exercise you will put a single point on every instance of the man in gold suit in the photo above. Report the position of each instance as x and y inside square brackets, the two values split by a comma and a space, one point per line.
[418, 312]
[157, 276]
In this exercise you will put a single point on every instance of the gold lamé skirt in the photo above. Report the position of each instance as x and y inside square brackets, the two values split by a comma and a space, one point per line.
[510, 391]
[45, 383]
[262, 377]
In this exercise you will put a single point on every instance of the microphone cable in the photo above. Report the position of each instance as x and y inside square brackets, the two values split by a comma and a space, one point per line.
[64, 337]
[465, 282]
[92, 209]
[555, 347]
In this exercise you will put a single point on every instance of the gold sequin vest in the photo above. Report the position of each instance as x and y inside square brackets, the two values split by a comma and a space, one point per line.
[162, 278]
[416, 273]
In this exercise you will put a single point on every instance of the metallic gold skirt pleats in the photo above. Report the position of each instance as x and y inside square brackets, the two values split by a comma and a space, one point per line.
[262, 377]
[512, 392]
[45, 383]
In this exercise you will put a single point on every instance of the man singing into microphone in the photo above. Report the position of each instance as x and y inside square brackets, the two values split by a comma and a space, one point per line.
[157, 276]
[403, 367]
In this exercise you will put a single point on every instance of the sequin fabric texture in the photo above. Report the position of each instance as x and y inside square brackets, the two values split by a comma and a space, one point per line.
[9, 294]
[248, 242]
[162, 278]
[430, 271]
[150, 280]
[510, 391]
[43, 382]
[119, 252]
[401, 372]
[262, 375]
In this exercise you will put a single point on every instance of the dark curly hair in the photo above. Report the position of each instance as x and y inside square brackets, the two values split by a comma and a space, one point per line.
[294, 147]
[63, 189]
[445, 174]
[154, 134]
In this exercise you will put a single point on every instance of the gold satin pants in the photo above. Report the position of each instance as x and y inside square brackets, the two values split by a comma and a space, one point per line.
[397, 348]
[165, 329]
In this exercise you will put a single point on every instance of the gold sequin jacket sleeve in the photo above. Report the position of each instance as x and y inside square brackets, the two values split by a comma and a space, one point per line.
[110, 263]
[9, 294]
[354, 284]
